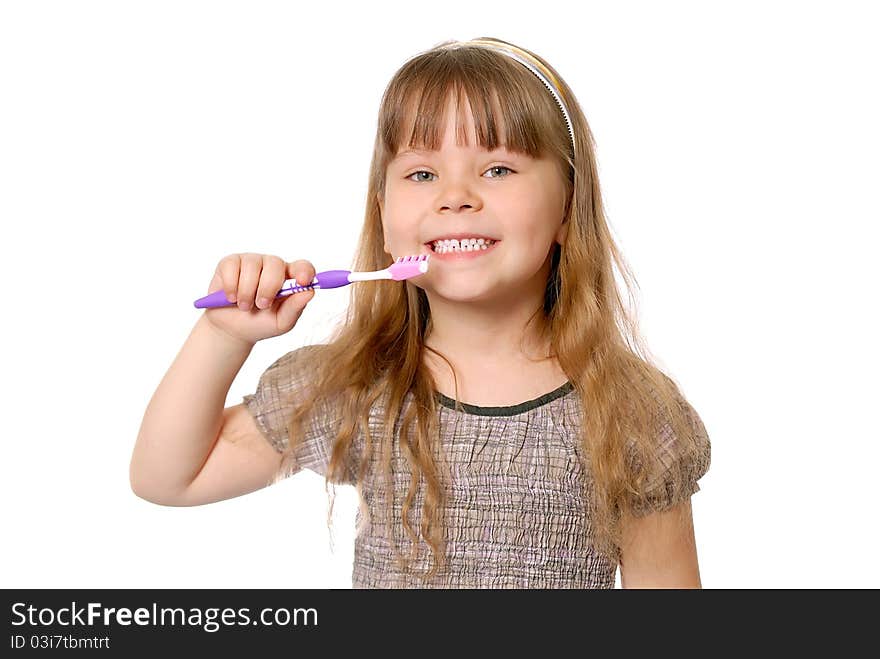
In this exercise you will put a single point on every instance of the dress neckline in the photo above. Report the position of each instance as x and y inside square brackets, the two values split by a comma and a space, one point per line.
[506, 410]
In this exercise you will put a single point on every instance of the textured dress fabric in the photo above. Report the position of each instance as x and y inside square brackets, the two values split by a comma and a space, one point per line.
[515, 515]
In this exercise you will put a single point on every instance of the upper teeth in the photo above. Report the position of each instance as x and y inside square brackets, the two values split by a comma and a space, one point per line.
[465, 244]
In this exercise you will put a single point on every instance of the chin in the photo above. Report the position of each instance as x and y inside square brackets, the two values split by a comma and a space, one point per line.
[460, 291]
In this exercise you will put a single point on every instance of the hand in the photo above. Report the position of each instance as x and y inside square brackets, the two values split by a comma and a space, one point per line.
[250, 277]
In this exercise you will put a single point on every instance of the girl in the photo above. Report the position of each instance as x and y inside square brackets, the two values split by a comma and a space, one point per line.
[572, 454]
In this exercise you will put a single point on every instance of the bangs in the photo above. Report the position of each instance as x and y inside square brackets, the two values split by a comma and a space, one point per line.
[510, 107]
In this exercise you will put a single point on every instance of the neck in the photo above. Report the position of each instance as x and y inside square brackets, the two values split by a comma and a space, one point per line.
[504, 330]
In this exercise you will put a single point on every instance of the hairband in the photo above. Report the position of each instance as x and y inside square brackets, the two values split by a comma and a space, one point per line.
[532, 64]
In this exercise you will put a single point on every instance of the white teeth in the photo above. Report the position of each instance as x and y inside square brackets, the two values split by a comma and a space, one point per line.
[465, 245]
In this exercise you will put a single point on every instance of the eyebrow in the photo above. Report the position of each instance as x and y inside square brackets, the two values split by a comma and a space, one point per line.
[418, 152]
[409, 152]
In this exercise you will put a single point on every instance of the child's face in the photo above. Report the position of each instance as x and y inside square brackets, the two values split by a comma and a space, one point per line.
[464, 191]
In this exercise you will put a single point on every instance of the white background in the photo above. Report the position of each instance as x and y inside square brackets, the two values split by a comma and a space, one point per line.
[140, 142]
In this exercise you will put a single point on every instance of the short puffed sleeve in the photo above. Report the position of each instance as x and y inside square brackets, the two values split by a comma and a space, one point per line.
[284, 382]
[674, 469]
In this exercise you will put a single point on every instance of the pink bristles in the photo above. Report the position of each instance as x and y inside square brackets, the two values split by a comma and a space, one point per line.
[409, 266]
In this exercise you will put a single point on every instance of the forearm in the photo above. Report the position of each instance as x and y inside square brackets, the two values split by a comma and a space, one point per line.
[184, 416]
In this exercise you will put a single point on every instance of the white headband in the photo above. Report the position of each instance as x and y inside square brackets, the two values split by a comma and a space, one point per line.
[542, 72]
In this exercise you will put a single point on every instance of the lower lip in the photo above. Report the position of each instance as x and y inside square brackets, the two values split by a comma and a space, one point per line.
[455, 255]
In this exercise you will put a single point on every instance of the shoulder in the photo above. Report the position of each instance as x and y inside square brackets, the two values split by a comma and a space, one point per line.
[288, 375]
[299, 355]
[294, 361]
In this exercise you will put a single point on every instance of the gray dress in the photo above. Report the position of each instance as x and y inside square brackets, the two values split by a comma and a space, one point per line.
[515, 515]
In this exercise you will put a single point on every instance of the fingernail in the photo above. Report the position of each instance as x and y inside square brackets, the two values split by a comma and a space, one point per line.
[263, 302]
[230, 297]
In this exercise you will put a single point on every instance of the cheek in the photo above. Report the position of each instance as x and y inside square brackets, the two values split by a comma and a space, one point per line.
[534, 241]
[395, 189]
[542, 217]
[398, 227]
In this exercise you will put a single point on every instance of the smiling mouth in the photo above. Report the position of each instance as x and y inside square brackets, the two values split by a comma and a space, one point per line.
[454, 254]
[463, 247]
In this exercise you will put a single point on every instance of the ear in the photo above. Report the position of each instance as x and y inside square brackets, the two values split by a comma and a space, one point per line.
[382, 222]
[562, 231]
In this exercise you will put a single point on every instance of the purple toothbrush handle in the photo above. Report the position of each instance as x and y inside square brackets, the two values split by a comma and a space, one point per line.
[326, 279]
[332, 278]
[215, 299]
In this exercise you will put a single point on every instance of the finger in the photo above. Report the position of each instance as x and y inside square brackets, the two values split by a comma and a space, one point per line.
[251, 266]
[229, 269]
[216, 282]
[303, 271]
[291, 308]
[271, 279]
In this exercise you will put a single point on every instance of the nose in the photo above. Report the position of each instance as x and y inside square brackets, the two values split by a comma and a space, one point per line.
[458, 196]
[456, 206]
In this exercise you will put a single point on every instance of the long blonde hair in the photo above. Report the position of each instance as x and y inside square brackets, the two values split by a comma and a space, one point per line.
[378, 350]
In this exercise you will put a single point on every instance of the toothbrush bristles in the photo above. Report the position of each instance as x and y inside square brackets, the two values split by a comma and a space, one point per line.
[419, 261]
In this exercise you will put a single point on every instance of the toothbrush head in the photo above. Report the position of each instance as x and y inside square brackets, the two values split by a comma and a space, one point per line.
[409, 266]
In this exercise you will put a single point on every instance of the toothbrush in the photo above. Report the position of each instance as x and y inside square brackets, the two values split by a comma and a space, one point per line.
[403, 268]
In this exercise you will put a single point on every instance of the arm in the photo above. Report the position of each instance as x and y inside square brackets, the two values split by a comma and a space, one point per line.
[659, 550]
[189, 450]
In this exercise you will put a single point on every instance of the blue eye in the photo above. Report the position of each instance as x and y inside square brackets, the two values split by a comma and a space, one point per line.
[499, 167]
[422, 171]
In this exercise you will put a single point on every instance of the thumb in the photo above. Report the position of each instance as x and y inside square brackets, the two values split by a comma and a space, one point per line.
[291, 309]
